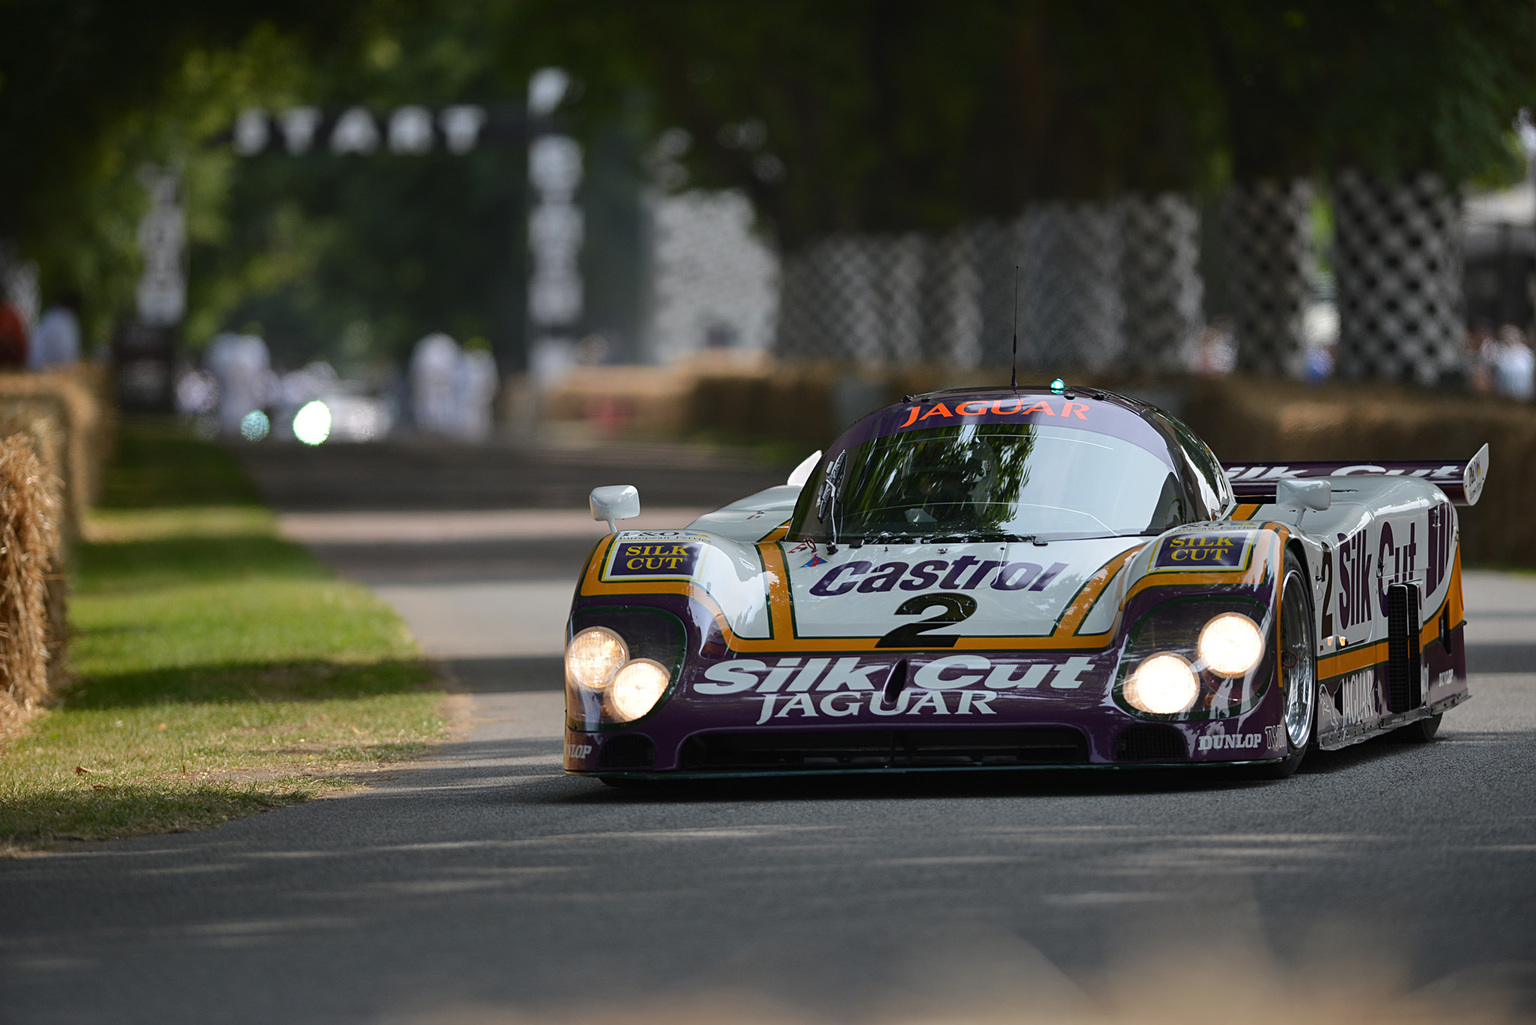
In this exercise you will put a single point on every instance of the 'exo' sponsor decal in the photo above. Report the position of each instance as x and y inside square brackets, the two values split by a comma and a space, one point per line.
[965, 573]
[1205, 551]
[652, 560]
[918, 414]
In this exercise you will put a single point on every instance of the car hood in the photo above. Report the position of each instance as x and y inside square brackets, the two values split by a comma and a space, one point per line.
[922, 594]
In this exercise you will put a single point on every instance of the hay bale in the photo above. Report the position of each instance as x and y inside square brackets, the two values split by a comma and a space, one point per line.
[29, 537]
[73, 397]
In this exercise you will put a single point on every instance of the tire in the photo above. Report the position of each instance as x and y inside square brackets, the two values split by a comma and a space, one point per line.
[1298, 680]
[1420, 731]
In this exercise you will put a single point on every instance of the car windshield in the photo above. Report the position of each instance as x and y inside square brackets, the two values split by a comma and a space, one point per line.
[981, 481]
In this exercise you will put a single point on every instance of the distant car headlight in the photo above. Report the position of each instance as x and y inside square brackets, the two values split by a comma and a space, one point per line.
[1231, 644]
[637, 687]
[1162, 684]
[594, 656]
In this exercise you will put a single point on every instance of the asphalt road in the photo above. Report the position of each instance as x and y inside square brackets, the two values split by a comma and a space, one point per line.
[483, 885]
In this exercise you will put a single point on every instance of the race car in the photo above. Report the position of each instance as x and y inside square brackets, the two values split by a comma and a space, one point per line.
[1021, 577]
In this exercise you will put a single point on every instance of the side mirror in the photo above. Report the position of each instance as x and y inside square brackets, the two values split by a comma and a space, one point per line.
[1304, 494]
[615, 502]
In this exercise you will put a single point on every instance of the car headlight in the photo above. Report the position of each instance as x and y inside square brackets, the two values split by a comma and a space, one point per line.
[594, 656]
[637, 687]
[1231, 644]
[1163, 684]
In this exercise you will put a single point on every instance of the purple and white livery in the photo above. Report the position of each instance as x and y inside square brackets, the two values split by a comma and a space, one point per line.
[1005, 578]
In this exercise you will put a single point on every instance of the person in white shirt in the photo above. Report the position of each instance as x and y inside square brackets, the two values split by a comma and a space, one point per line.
[56, 339]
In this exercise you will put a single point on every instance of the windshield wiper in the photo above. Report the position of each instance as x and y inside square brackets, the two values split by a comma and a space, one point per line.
[977, 535]
[881, 537]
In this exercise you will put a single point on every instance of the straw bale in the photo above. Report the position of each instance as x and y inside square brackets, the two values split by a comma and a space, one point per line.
[29, 510]
[77, 397]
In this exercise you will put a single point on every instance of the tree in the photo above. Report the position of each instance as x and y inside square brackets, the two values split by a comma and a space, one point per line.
[92, 89]
[912, 114]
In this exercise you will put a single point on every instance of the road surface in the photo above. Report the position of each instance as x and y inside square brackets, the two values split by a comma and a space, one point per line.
[486, 886]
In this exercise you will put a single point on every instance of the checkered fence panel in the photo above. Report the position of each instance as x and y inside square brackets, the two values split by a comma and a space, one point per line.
[1269, 248]
[1160, 279]
[1398, 264]
[1082, 295]
[1071, 310]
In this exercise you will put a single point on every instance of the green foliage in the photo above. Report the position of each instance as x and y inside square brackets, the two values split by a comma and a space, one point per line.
[902, 114]
[1388, 85]
[856, 115]
[357, 257]
[91, 90]
[218, 670]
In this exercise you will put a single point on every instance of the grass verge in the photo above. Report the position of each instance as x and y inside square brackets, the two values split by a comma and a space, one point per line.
[216, 669]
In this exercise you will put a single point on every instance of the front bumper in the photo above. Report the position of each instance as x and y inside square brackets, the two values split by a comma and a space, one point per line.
[821, 714]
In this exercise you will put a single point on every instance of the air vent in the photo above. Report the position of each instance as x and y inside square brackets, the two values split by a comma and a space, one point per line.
[884, 749]
[1404, 686]
[630, 751]
[1151, 744]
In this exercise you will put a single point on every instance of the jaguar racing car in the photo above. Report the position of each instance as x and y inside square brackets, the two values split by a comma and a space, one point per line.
[1018, 577]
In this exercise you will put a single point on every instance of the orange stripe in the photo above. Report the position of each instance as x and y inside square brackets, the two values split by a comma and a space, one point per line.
[1088, 595]
[778, 533]
[781, 612]
[1352, 660]
[1453, 596]
[1244, 511]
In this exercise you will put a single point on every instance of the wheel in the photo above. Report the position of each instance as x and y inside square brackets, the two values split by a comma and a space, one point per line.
[1420, 731]
[1298, 668]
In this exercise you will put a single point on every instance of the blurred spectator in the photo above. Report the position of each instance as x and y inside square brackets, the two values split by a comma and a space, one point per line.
[1216, 352]
[434, 382]
[13, 336]
[56, 340]
[197, 393]
[451, 389]
[1514, 367]
[1478, 351]
[1319, 363]
[476, 390]
[244, 370]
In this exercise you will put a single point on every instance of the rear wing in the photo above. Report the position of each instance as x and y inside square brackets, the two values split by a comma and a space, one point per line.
[1461, 481]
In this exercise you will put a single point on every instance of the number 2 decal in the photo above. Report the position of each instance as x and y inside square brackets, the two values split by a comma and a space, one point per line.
[954, 608]
[1327, 592]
